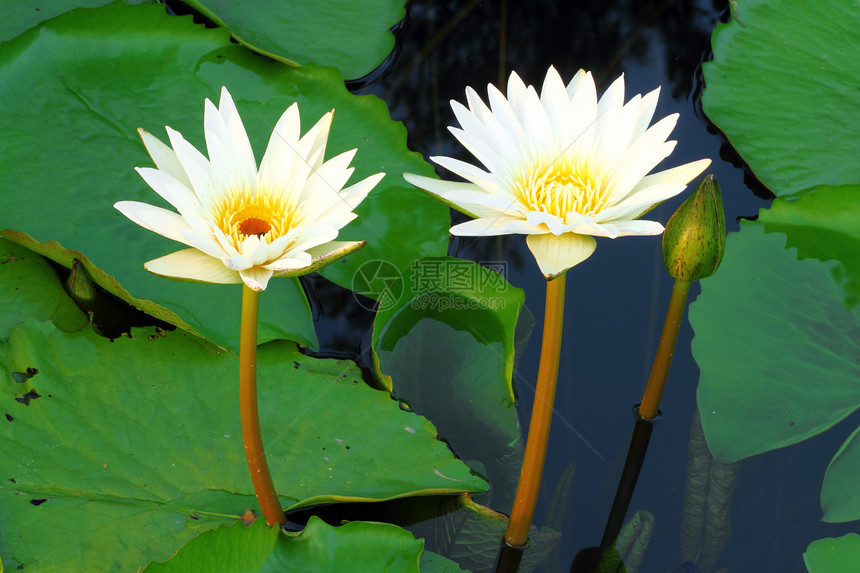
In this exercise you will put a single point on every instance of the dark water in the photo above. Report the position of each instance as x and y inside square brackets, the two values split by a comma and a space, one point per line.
[616, 299]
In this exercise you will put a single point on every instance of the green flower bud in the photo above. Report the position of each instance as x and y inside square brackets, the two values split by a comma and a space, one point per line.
[695, 236]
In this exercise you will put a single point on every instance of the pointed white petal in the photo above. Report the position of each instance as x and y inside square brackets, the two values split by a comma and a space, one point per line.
[196, 166]
[192, 265]
[174, 192]
[638, 227]
[493, 225]
[256, 278]
[165, 223]
[324, 255]
[164, 157]
[556, 254]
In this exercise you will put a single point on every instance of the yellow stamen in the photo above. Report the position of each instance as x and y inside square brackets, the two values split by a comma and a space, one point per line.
[563, 186]
[243, 213]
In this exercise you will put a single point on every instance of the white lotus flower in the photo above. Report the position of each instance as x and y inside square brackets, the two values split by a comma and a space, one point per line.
[561, 167]
[243, 224]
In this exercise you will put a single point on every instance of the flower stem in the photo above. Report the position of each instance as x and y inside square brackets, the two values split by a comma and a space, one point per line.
[530, 476]
[650, 405]
[257, 465]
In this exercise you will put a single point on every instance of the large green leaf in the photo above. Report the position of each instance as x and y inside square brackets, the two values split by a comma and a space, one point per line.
[783, 88]
[144, 432]
[776, 347]
[78, 86]
[30, 286]
[447, 347]
[320, 548]
[352, 36]
[21, 15]
[833, 555]
[824, 225]
[840, 495]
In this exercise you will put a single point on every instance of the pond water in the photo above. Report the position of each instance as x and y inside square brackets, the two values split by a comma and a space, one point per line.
[616, 300]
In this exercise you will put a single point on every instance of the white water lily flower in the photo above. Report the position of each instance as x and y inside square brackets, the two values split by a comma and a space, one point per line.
[561, 167]
[244, 224]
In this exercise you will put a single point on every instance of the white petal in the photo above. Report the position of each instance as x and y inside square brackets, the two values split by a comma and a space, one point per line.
[164, 157]
[281, 153]
[484, 226]
[489, 181]
[681, 174]
[204, 242]
[638, 227]
[192, 265]
[554, 98]
[438, 188]
[174, 192]
[196, 166]
[289, 263]
[165, 223]
[555, 225]
[556, 254]
[256, 278]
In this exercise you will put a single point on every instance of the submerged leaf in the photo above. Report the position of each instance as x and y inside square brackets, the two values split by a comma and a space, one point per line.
[447, 347]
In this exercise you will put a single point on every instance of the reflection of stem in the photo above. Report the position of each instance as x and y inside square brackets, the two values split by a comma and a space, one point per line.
[257, 465]
[650, 405]
[538, 436]
[627, 483]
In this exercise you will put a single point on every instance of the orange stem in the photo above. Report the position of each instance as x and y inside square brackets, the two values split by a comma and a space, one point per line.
[650, 406]
[538, 437]
[257, 465]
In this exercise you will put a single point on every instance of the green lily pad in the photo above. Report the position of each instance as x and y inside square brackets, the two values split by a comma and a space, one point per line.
[833, 555]
[30, 286]
[354, 37]
[783, 88]
[18, 17]
[825, 225]
[144, 432]
[319, 548]
[447, 347]
[80, 84]
[840, 495]
[775, 345]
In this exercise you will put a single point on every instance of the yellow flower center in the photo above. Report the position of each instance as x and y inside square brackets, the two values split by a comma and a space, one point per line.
[563, 186]
[268, 215]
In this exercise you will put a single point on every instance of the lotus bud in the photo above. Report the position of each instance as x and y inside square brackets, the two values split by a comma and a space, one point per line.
[695, 236]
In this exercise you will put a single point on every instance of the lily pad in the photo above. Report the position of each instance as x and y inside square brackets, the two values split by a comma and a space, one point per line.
[319, 548]
[18, 17]
[354, 37]
[783, 88]
[823, 224]
[793, 347]
[833, 555]
[144, 432]
[29, 286]
[447, 348]
[80, 84]
[840, 495]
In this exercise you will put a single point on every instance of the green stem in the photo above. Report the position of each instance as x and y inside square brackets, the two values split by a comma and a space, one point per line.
[650, 405]
[538, 437]
[257, 465]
